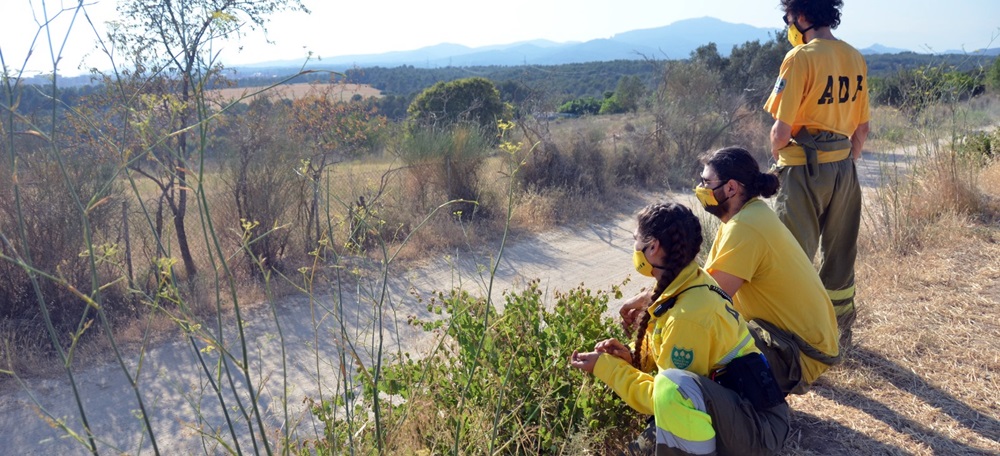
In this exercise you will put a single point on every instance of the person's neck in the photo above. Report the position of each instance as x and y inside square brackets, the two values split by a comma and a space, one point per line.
[733, 210]
[823, 33]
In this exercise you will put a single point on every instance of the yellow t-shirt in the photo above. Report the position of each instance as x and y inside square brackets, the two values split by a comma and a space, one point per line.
[822, 86]
[700, 333]
[781, 284]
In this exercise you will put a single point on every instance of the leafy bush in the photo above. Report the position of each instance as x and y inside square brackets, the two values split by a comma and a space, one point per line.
[914, 90]
[471, 100]
[611, 105]
[581, 106]
[500, 379]
[980, 147]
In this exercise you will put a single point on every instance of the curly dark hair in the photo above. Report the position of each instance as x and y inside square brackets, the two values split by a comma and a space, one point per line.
[679, 233]
[820, 13]
[736, 163]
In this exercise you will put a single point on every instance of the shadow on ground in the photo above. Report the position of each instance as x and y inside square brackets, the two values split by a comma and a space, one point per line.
[815, 435]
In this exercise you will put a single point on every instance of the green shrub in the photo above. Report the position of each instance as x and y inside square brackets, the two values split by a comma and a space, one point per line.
[980, 147]
[581, 106]
[502, 377]
[611, 105]
[471, 100]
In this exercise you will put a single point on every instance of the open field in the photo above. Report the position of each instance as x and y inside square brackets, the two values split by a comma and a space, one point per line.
[339, 91]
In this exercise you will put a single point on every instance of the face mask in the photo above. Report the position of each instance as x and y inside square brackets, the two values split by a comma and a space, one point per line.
[706, 195]
[642, 264]
[795, 36]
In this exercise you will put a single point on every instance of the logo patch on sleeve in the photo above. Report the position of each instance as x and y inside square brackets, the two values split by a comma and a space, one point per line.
[779, 85]
[682, 358]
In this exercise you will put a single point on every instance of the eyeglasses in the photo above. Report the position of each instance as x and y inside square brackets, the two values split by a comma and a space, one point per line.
[704, 182]
[785, 18]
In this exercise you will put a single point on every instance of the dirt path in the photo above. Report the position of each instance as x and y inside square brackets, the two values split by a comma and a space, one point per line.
[176, 391]
[180, 399]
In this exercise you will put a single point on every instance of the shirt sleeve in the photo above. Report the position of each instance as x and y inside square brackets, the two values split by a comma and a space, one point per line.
[740, 252]
[685, 345]
[793, 78]
[632, 385]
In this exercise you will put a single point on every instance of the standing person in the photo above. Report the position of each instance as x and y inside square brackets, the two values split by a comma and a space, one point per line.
[755, 259]
[820, 109]
[689, 333]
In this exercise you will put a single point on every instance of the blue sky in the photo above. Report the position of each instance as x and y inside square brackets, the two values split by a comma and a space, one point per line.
[376, 26]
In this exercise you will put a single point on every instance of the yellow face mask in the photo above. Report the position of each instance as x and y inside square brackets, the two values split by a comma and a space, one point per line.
[795, 36]
[642, 265]
[706, 196]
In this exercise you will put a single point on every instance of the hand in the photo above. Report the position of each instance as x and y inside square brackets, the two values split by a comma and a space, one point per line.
[774, 153]
[614, 348]
[632, 308]
[584, 361]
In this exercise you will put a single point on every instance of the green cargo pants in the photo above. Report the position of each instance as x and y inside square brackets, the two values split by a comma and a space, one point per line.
[824, 211]
[736, 428]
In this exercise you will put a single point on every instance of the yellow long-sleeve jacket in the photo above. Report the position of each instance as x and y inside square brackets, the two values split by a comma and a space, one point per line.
[700, 333]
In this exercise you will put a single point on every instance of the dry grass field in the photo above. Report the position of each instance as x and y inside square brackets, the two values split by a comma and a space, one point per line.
[338, 91]
[922, 376]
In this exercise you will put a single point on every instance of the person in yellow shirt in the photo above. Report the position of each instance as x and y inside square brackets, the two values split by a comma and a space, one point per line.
[756, 260]
[821, 120]
[712, 392]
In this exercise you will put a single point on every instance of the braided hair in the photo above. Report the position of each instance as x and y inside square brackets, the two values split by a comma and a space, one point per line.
[736, 163]
[679, 233]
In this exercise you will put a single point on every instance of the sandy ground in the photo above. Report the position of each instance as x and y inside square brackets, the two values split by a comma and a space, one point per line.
[182, 404]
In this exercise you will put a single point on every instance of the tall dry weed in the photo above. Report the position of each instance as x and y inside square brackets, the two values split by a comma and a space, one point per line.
[938, 183]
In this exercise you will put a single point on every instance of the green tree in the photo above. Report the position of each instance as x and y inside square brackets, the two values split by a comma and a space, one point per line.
[611, 105]
[708, 55]
[752, 68]
[328, 132]
[170, 42]
[629, 92]
[581, 106]
[474, 100]
[993, 76]
[692, 114]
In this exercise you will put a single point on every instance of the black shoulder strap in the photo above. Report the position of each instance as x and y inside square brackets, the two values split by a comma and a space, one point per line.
[663, 307]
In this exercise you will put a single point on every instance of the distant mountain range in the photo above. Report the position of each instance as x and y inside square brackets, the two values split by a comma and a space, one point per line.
[671, 42]
[674, 41]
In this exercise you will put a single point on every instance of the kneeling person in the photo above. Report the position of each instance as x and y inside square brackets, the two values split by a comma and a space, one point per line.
[755, 259]
[713, 392]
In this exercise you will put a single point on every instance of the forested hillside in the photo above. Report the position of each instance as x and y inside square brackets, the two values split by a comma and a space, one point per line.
[558, 84]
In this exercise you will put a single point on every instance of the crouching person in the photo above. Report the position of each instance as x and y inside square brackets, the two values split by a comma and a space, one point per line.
[712, 391]
[756, 260]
